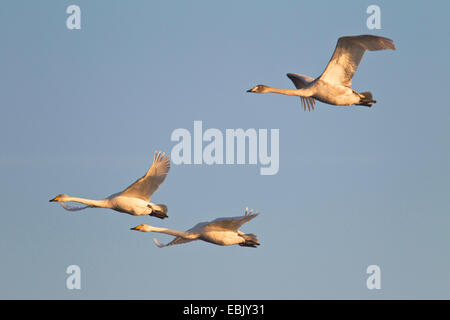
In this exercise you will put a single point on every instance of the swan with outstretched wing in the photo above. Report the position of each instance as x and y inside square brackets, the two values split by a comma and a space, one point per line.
[222, 231]
[334, 86]
[135, 199]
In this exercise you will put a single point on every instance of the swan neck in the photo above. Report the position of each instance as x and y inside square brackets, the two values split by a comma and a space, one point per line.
[95, 203]
[172, 232]
[291, 92]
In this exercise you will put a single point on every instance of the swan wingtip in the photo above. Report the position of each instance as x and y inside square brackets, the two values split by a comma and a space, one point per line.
[157, 243]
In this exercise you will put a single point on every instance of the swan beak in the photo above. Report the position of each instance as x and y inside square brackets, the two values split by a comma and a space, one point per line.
[53, 200]
[250, 90]
[136, 228]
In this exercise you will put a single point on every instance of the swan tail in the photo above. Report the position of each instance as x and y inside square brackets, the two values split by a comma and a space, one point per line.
[366, 99]
[250, 240]
[159, 211]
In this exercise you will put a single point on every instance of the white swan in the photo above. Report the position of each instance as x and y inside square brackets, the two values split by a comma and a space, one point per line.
[334, 86]
[133, 200]
[222, 231]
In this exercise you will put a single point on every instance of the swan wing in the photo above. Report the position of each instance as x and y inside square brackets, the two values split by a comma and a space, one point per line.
[177, 240]
[144, 187]
[300, 81]
[232, 223]
[73, 208]
[348, 54]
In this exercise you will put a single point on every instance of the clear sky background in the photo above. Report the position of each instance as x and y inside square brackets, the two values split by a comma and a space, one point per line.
[82, 112]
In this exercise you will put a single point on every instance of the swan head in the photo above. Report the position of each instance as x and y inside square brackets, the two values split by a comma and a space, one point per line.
[142, 228]
[59, 197]
[260, 88]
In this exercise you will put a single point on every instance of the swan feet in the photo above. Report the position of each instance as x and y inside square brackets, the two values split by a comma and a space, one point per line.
[158, 214]
[158, 211]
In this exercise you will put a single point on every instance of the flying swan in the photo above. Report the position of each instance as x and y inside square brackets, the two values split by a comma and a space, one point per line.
[334, 86]
[222, 231]
[133, 200]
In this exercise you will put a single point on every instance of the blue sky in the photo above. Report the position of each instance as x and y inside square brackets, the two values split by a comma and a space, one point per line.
[82, 112]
